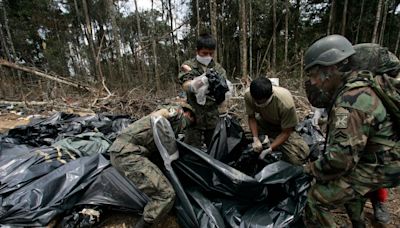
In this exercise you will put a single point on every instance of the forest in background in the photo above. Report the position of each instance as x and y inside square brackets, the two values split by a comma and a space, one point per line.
[106, 44]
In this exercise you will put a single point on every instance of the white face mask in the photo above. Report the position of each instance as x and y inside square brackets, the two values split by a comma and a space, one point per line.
[265, 104]
[204, 60]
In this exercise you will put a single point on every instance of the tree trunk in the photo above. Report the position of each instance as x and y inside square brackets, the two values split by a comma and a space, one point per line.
[274, 35]
[359, 20]
[198, 18]
[296, 29]
[4, 46]
[286, 31]
[7, 28]
[385, 12]
[397, 43]
[155, 56]
[11, 54]
[89, 37]
[243, 40]
[344, 17]
[139, 36]
[251, 38]
[117, 38]
[176, 59]
[213, 17]
[331, 17]
[377, 21]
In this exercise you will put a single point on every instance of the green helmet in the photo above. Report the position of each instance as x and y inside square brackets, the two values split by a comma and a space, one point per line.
[375, 58]
[328, 51]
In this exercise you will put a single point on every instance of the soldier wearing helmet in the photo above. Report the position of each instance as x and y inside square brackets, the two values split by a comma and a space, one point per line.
[379, 60]
[356, 160]
[135, 155]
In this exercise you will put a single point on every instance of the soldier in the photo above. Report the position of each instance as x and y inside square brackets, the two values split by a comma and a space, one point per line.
[189, 75]
[357, 159]
[271, 111]
[134, 153]
[378, 60]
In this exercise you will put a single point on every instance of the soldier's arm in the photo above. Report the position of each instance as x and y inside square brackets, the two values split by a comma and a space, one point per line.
[162, 112]
[185, 74]
[347, 137]
[282, 137]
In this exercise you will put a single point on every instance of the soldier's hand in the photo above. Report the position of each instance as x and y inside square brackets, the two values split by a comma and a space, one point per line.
[185, 68]
[264, 153]
[257, 145]
[197, 83]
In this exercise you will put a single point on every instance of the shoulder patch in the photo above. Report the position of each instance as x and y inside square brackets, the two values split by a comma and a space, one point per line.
[342, 118]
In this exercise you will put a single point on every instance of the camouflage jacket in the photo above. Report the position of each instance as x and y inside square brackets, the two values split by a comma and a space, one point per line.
[140, 132]
[206, 115]
[360, 140]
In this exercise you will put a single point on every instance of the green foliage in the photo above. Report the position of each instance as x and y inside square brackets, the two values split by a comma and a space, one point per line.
[50, 34]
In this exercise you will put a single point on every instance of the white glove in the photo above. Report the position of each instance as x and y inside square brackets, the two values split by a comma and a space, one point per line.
[257, 145]
[198, 83]
[317, 115]
[264, 153]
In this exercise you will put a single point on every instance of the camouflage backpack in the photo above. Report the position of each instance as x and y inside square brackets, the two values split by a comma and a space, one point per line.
[387, 89]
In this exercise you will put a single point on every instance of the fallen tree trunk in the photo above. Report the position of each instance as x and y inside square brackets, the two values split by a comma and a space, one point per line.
[37, 72]
[23, 103]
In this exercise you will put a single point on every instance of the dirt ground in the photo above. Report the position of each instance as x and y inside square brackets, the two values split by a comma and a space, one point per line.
[119, 220]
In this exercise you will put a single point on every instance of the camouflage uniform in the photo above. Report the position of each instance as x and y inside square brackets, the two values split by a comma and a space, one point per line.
[379, 60]
[362, 155]
[207, 115]
[133, 154]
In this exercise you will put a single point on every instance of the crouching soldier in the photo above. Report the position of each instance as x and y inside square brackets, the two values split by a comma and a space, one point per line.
[135, 154]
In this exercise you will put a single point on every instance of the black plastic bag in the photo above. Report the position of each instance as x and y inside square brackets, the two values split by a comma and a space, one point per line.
[39, 202]
[227, 141]
[204, 185]
[217, 86]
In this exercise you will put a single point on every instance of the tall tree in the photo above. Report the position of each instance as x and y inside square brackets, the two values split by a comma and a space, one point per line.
[7, 29]
[117, 38]
[397, 43]
[250, 38]
[213, 19]
[171, 18]
[377, 21]
[243, 40]
[155, 55]
[139, 37]
[286, 31]
[344, 15]
[296, 29]
[198, 21]
[359, 20]
[385, 13]
[274, 35]
[89, 37]
[331, 17]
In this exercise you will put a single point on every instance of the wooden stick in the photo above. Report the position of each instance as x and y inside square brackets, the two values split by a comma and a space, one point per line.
[36, 72]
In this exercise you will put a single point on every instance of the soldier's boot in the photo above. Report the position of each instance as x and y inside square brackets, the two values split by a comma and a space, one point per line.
[380, 213]
[142, 224]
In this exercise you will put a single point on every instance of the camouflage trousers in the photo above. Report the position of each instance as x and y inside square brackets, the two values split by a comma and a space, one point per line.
[148, 178]
[294, 150]
[324, 197]
[197, 137]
